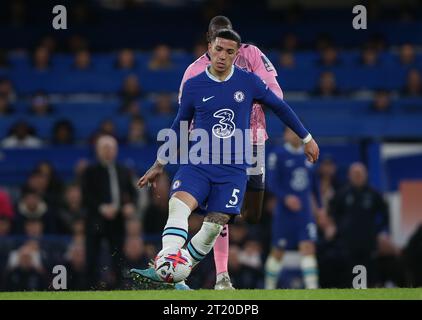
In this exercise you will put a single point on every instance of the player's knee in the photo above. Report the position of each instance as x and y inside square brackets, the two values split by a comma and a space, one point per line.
[217, 218]
[307, 248]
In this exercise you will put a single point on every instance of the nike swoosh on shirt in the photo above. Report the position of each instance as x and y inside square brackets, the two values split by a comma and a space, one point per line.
[206, 99]
[229, 206]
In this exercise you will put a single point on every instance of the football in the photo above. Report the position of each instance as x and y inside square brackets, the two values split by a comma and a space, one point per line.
[173, 265]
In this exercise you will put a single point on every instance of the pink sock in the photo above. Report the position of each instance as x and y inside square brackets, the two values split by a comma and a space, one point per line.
[221, 251]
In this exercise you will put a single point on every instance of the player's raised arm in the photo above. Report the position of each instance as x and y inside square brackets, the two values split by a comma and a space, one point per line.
[287, 115]
[185, 113]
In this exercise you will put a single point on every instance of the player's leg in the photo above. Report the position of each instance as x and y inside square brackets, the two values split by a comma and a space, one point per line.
[203, 241]
[282, 238]
[273, 267]
[307, 250]
[189, 187]
[221, 258]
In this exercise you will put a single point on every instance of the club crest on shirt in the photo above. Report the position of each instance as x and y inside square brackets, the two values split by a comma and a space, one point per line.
[176, 184]
[239, 96]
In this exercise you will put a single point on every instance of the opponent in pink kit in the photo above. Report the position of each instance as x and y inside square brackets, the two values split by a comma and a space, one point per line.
[252, 59]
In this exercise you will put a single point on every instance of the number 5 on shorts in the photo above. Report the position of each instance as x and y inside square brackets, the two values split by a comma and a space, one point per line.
[235, 198]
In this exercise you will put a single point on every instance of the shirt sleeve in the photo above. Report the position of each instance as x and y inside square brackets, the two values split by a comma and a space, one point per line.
[264, 69]
[264, 95]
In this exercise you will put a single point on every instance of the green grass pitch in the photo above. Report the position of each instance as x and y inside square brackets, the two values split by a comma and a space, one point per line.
[320, 294]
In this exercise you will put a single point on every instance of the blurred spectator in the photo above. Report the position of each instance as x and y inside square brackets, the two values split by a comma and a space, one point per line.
[328, 57]
[40, 104]
[126, 59]
[156, 213]
[75, 266]
[381, 102]
[131, 89]
[49, 42]
[62, 133]
[18, 13]
[131, 108]
[328, 181]
[5, 107]
[137, 133]
[161, 58]
[6, 205]
[21, 135]
[238, 233]
[323, 41]
[287, 60]
[41, 59]
[109, 196]
[107, 127]
[133, 227]
[71, 210]
[243, 273]
[413, 86]
[32, 207]
[25, 271]
[289, 43]
[7, 90]
[76, 43]
[80, 168]
[327, 86]
[134, 256]
[199, 49]
[53, 192]
[361, 219]
[82, 60]
[369, 57]
[33, 228]
[5, 227]
[407, 54]
[164, 104]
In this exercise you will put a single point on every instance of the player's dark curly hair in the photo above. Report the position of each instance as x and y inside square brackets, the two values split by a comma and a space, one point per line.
[228, 34]
[218, 23]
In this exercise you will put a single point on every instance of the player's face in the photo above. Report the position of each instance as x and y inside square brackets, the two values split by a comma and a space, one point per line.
[222, 53]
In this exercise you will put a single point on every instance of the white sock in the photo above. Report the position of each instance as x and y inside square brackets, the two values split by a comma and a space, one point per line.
[273, 268]
[202, 243]
[309, 268]
[175, 232]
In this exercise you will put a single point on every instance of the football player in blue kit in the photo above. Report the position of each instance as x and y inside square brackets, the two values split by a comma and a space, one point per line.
[219, 101]
[291, 178]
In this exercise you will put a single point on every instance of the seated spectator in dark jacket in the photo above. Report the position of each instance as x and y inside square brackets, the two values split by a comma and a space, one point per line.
[126, 60]
[161, 58]
[63, 133]
[82, 60]
[25, 271]
[40, 105]
[131, 89]
[327, 86]
[5, 107]
[369, 57]
[21, 135]
[32, 207]
[407, 54]
[71, 210]
[137, 135]
[41, 59]
[75, 266]
[131, 108]
[287, 60]
[329, 57]
[381, 103]
[413, 87]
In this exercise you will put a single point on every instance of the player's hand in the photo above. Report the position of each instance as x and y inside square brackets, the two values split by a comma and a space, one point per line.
[311, 151]
[151, 175]
[293, 203]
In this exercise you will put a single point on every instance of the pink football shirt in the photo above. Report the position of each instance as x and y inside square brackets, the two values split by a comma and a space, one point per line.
[252, 59]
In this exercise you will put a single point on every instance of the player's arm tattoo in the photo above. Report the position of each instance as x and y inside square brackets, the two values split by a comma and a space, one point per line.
[218, 218]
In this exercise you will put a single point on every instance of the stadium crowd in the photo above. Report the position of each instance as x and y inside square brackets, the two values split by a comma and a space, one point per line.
[45, 220]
